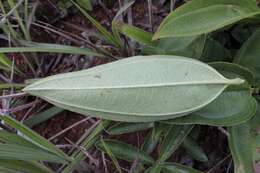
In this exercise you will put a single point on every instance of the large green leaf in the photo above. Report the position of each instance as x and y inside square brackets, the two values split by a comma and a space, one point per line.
[234, 106]
[248, 55]
[240, 144]
[125, 151]
[137, 89]
[204, 16]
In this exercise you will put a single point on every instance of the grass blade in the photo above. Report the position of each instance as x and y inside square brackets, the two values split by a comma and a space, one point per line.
[122, 128]
[50, 48]
[124, 151]
[34, 137]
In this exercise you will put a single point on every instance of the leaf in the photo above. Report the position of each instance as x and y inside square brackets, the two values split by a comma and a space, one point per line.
[125, 151]
[234, 106]
[34, 137]
[194, 150]
[11, 138]
[153, 138]
[182, 46]
[136, 34]
[18, 152]
[111, 155]
[203, 16]
[137, 89]
[177, 168]
[50, 48]
[123, 128]
[24, 166]
[42, 116]
[248, 55]
[240, 144]
[172, 140]
[214, 51]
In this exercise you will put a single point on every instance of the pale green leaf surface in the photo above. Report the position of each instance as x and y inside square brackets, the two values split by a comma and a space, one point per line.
[233, 106]
[203, 16]
[134, 89]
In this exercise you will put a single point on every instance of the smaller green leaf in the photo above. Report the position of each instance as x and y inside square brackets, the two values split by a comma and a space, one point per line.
[193, 149]
[177, 168]
[172, 140]
[122, 128]
[42, 116]
[240, 144]
[136, 34]
[125, 151]
[34, 137]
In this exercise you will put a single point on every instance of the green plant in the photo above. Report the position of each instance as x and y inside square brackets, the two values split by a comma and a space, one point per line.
[187, 78]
